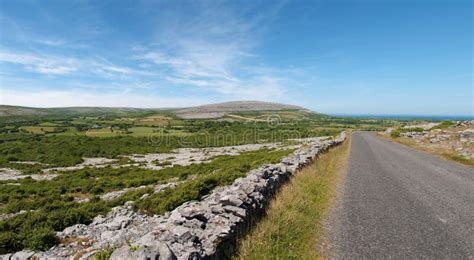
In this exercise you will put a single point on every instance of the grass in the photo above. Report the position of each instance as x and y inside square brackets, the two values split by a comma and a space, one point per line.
[293, 224]
[460, 159]
[444, 153]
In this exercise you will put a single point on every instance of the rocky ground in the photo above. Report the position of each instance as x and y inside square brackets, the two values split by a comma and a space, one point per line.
[458, 138]
[154, 161]
[13, 174]
[194, 230]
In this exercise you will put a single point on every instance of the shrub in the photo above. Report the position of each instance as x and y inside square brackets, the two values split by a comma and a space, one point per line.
[395, 133]
[414, 129]
[41, 239]
[104, 254]
[164, 163]
[443, 125]
[9, 242]
[14, 150]
[12, 158]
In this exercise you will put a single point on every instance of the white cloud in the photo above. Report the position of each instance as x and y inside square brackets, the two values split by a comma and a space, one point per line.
[40, 64]
[51, 42]
[51, 98]
[210, 49]
[48, 69]
[59, 65]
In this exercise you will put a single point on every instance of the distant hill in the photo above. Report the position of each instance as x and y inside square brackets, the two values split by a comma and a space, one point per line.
[21, 111]
[221, 109]
[6, 110]
[200, 112]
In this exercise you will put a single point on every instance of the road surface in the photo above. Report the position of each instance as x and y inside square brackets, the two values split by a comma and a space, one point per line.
[399, 203]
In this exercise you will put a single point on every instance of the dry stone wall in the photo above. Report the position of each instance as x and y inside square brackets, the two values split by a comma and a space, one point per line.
[209, 228]
[205, 229]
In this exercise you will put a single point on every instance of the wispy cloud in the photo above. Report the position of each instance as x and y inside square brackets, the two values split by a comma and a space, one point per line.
[52, 98]
[51, 42]
[40, 64]
[60, 65]
[210, 49]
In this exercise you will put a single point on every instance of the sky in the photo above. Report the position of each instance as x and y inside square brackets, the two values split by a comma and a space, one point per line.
[338, 57]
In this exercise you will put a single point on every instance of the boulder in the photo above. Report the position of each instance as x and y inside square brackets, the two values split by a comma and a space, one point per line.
[22, 255]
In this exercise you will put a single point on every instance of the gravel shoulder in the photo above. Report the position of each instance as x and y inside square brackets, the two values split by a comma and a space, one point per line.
[400, 203]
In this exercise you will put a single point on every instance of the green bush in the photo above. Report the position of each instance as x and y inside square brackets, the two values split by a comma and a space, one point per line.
[395, 133]
[9, 242]
[443, 125]
[164, 163]
[414, 129]
[41, 239]
[12, 158]
[104, 254]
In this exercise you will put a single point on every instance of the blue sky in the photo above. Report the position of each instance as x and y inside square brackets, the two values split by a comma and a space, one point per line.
[351, 57]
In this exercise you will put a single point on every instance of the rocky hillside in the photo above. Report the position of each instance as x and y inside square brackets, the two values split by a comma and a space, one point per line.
[222, 109]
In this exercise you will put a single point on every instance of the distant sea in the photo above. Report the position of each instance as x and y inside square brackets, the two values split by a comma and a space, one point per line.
[409, 117]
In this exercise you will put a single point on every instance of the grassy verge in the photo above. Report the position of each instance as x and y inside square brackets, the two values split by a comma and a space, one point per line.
[293, 225]
[444, 153]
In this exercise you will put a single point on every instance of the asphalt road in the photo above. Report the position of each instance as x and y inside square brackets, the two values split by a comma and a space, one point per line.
[399, 203]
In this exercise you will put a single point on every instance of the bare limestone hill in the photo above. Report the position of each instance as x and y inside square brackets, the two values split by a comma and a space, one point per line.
[222, 109]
